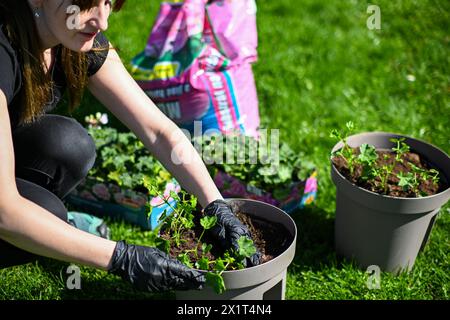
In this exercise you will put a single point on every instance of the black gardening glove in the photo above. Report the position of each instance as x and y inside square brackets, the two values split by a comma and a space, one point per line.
[229, 229]
[150, 269]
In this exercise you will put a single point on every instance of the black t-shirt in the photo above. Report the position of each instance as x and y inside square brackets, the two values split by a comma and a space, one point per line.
[11, 73]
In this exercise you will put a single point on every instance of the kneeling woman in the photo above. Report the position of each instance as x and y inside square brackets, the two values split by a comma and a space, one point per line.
[43, 157]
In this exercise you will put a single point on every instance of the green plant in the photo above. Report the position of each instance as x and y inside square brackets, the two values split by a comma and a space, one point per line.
[255, 162]
[377, 167]
[215, 279]
[367, 158]
[182, 219]
[417, 176]
[346, 151]
[399, 149]
[123, 159]
[408, 181]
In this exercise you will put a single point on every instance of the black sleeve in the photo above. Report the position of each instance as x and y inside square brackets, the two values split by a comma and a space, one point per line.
[9, 69]
[97, 56]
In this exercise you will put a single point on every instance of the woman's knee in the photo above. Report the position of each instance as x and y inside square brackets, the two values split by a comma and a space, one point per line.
[58, 139]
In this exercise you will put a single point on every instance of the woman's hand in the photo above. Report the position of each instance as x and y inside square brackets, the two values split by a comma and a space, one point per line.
[229, 229]
[150, 269]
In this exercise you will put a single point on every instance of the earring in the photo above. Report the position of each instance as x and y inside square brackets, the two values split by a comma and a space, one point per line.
[36, 14]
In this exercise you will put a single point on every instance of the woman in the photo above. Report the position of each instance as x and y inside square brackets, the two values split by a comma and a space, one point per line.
[45, 48]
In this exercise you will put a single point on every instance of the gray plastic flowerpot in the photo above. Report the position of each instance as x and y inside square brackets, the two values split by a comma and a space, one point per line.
[263, 282]
[380, 230]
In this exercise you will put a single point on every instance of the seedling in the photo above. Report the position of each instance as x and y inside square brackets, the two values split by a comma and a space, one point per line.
[254, 161]
[400, 148]
[367, 157]
[346, 151]
[386, 172]
[419, 175]
[377, 168]
[408, 181]
[122, 158]
[182, 219]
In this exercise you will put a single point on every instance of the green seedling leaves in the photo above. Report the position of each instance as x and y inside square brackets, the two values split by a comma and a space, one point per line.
[215, 280]
[434, 175]
[255, 162]
[400, 148]
[373, 172]
[400, 145]
[346, 151]
[208, 222]
[246, 247]
[206, 248]
[220, 265]
[367, 157]
[367, 154]
[407, 180]
[350, 126]
[202, 263]
[184, 258]
[193, 201]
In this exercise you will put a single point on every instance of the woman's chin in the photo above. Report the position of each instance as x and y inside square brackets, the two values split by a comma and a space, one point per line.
[81, 46]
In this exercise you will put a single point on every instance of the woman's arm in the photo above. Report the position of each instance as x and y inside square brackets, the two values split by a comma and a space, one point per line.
[32, 228]
[118, 91]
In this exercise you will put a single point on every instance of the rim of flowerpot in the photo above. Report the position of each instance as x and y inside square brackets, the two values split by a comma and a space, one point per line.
[395, 204]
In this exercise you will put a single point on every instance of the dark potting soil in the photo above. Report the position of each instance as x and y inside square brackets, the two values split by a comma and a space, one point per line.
[426, 188]
[267, 237]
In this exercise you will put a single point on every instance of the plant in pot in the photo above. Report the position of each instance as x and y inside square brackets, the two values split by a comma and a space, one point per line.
[246, 167]
[113, 186]
[284, 179]
[389, 190]
[123, 159]
[183, 235]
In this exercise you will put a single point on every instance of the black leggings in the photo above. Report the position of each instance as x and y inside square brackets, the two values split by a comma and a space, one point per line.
[52, 156]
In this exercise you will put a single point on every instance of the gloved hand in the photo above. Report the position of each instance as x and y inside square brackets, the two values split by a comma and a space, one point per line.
[229, 229]
[150, 269]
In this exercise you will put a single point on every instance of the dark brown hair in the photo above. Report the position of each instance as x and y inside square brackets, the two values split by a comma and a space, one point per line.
[21, 29]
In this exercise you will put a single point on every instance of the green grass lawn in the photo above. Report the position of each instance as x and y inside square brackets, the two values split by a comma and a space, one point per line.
[319, 67]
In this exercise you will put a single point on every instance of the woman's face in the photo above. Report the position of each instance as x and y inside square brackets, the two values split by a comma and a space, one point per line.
[60, 22]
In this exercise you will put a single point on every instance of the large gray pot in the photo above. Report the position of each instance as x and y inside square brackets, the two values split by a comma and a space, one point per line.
[264, 282]
[380, 230]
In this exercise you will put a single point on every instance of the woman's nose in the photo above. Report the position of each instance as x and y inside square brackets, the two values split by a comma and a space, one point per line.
[100, 15]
